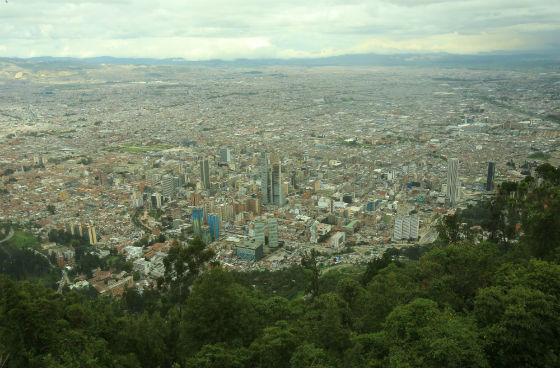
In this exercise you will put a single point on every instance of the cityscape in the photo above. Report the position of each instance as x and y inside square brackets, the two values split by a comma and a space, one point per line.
[287, 184]
[263, 164]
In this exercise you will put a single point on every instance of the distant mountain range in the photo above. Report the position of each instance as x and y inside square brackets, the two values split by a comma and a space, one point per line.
[537, 59]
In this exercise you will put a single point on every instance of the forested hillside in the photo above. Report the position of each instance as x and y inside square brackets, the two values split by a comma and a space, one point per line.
[485, 296]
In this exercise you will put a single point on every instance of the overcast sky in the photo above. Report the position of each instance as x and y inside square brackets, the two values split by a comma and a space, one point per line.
[227, 29]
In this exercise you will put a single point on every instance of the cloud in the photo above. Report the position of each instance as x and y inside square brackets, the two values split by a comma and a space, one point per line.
[205, 29]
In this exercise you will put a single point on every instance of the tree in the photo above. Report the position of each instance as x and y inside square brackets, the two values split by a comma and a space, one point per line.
[449, 229]
[420, 335]
[452, 275]
[309, 262]
[377, 264]
[310, 356]
[219, 311]
[219, 356]
[183, 265]
[367, 350]
[542, 223]
[51, 209]
[326, 323]
[274, 347]
[392, 286]
[521, 327]
[549, 173]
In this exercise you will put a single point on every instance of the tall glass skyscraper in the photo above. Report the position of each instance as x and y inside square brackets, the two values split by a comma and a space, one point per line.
[205, 173]
[272, 233]
[453, 181]
[271, 181]
[214, 226]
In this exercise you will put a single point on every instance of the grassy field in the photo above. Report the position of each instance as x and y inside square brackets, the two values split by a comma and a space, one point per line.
[145, 149]
[540, 156]
[21, 240]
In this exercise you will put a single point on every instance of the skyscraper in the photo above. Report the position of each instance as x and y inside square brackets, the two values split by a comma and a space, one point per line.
[197, 220]
[225, 155]
[205, 173]
[259, 232]
[490, 176]
[214, 226]
[155, 200]
[277, 192]
[272, 233]
[266, 178]
[168, 186]
[271, 181]
[453, 181]
[92, 235]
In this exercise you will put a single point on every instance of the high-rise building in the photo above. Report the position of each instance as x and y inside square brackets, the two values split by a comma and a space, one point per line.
[277, 190]
[155, 200]
[168, 186]
[272, 233]
[272, 191]
[266, 178]
[205, 173]
[259, 232]
[225, 155]
[214, 226]
[490, 176]
[406, 227]
[453, 181]
[197, 220]
[92, 235]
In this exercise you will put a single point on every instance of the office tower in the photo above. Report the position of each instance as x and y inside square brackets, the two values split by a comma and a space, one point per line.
[272, 233]
[225, 155]
[205, 173]
[168, 186]
[214, 226]
[155, 200]
[272, 191]
[490, 176]
[453, 181]
[92, 235]
[266, 178]
[197, 220]
[277, 190]
[259, 232]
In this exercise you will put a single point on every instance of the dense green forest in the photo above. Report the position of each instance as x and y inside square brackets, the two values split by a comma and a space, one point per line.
[485, 296]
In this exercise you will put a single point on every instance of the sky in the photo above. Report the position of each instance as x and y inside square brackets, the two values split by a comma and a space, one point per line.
[230, 29]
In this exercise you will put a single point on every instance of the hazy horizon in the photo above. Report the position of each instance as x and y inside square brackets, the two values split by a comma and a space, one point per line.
[219, 29]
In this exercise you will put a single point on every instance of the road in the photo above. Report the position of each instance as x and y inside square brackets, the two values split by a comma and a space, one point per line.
[9, 236]
[429, 237]
[64, 277]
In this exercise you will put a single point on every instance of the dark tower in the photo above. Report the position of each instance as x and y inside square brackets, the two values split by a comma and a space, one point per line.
[490, 176]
